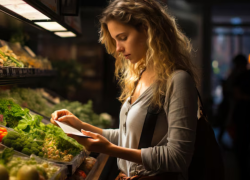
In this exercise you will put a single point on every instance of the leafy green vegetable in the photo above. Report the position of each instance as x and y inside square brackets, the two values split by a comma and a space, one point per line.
[6, 155]
[34, 137]
[84, 112]
[27, 97]
[33, 99]
[12, 112]
[21, 142]
[63, 141]
[30, 124]
[13, 135]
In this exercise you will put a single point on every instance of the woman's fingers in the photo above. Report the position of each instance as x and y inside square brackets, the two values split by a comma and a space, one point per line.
[123, 176]
[97, 143]
[120, 176]
[57, 114]
[53, 122]
[65, 118]
[91, 134]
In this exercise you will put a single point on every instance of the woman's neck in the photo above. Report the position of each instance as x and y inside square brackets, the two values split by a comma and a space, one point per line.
[149, 74]
[149, 71]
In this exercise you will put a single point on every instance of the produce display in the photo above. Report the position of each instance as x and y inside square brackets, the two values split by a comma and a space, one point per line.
[22, 143]
[34, 100]
[85, 113]
[87, 164]
[8, 58]
[14, 167]
[78, 175]
[83, 170]
[14, 55]
[31, 136]
[28, 98]
[30, 149]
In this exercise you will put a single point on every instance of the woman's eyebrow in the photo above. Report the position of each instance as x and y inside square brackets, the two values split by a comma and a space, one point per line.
[119, 34]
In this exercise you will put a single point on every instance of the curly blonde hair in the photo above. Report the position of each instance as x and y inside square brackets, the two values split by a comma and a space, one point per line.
[168, 48]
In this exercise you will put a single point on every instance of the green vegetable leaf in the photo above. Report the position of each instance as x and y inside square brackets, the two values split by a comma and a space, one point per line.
[22, 124]
[6, 155]
[11, 112]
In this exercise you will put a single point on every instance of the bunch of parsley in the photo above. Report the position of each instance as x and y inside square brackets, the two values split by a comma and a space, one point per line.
[12, 112]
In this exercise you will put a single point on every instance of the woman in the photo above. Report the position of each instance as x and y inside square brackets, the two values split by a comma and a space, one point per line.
[152, 60]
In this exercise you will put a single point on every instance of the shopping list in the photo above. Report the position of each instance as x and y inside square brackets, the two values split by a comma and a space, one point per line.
[70, 130]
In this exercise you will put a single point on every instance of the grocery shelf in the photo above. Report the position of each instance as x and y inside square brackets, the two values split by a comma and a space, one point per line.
[13, 75]
[61, 174]
[71, 165]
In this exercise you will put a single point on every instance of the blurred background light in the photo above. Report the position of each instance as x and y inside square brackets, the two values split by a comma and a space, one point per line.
[235, 20]
[23, 9]
[65, 34]
[237, 30]
[215, 64]
[51, 26]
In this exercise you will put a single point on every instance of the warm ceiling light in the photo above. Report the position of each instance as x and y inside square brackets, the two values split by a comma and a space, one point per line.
[51, 26]
[65, 34]
[23, 9]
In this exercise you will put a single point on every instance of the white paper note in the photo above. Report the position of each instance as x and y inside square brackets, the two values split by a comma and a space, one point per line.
[70, 130]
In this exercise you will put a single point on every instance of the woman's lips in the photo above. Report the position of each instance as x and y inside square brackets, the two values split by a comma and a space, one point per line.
[127, 56]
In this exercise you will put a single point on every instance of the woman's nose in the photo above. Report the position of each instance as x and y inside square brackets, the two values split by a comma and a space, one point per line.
[119, 48]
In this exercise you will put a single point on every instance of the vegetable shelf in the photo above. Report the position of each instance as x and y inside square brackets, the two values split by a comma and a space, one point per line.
[71, 165]
[13, 75]
[15, 160]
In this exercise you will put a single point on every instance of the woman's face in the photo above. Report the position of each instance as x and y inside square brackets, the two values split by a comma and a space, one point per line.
[129, 41]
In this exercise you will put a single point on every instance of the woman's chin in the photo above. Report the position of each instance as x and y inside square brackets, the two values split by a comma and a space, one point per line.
[132, 61]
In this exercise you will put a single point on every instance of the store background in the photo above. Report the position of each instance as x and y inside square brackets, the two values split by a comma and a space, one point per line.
[219, 30]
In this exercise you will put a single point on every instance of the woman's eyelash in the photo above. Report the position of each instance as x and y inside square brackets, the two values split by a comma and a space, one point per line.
[123, 38]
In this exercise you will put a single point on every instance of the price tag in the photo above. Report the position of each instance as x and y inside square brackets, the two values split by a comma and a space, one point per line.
[7, 71]
[29, 71]
[25, 71]
[1, 72]
[13, 72]
[38, 71]
[20, 72]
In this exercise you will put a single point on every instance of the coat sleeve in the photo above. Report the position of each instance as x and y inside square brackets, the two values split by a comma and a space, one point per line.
[181, 112]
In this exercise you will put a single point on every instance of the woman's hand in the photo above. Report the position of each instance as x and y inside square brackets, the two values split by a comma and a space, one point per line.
[97, 143]
[64, 115]
[121, 176]
[100, 144]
